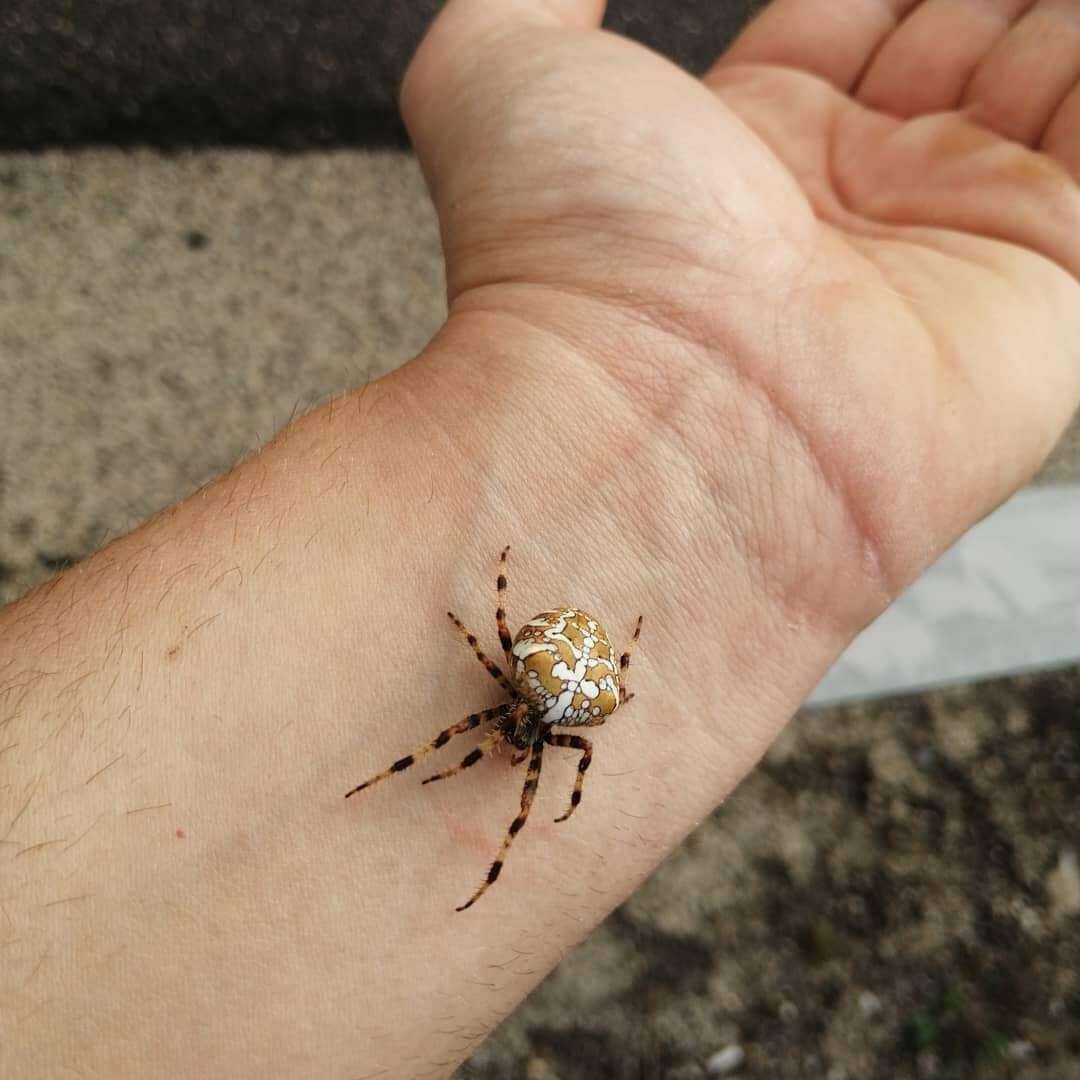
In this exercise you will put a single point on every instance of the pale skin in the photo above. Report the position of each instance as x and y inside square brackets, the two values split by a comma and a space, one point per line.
[797, 325]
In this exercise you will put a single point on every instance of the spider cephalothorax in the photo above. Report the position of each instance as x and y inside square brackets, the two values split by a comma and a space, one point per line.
[562, 672]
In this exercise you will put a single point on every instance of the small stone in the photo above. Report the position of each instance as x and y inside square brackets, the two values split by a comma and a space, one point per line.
[689, 1070]
[1028, 918]
[725, 1062]
[1063, 885]
[729, 1001]
[893, 767]
[957, 735]
[1020, 1050]
[928, 1065]
[789, 1011]
[869, 1003]
[1017, 721]
[538, 1069]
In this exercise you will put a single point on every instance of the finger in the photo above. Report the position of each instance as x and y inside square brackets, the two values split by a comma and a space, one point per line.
[926, 64]
[1062, 138]
[455, 44]
[942, 171]
[833, 40]
[1021, 83]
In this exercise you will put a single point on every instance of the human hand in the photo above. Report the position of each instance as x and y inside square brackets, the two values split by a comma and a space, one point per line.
[840, 272]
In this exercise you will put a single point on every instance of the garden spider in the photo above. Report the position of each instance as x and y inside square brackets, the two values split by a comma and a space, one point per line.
[562, 672]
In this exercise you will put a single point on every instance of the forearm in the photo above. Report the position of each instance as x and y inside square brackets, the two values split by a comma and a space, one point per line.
[185, 890]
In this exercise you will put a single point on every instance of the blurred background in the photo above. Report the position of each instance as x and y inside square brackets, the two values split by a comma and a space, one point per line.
[210, 219]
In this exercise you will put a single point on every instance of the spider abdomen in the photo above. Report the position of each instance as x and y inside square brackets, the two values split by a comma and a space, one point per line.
[565, 664]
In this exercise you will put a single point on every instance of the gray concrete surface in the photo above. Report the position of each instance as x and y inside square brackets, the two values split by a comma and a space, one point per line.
[161, 316]
[895, 893]
[1004, 599]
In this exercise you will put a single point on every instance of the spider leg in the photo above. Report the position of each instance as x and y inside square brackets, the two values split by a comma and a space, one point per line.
[493, 669]
[470, 721]
[505, 640]
[624, 663]
[574, 742]
[527, 793]
[488, 743]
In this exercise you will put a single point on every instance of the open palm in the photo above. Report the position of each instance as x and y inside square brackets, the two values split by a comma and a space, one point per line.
[867, 220]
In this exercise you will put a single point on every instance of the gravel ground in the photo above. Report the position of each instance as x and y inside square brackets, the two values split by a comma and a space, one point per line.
[894, 893]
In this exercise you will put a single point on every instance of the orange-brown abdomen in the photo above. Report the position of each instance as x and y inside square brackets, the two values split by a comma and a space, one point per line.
[565, 664]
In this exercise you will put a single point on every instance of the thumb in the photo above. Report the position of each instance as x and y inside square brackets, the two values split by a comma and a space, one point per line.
[443, 84]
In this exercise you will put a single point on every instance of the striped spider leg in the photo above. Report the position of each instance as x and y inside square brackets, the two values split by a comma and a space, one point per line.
[471, 721]
[624, 662]
[561, 672]
[532, 781]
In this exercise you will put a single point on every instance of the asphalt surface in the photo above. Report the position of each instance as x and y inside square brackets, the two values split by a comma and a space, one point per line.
[281, 73]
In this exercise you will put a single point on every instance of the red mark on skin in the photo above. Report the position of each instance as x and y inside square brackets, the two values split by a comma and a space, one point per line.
[180, 834]
[469, 837]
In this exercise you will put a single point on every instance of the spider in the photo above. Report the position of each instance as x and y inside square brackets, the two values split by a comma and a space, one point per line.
[563, 673]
